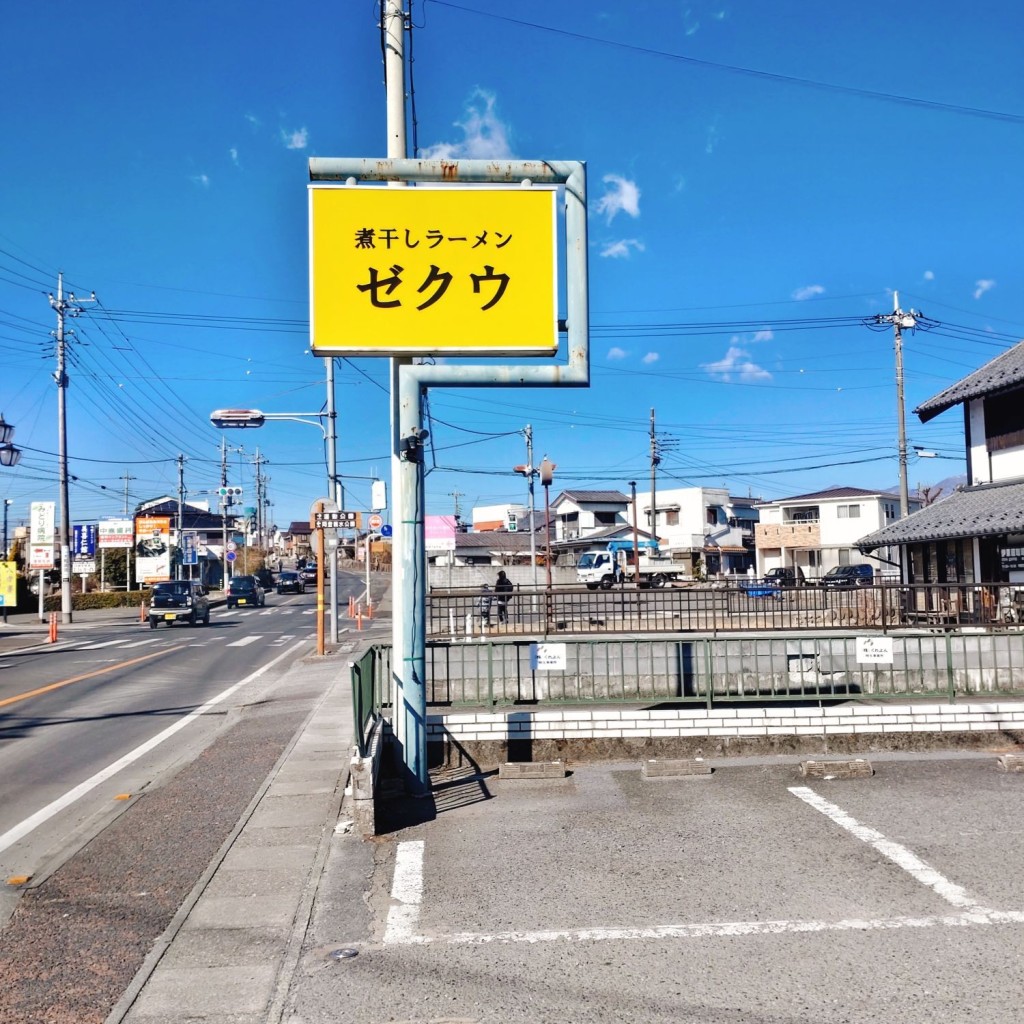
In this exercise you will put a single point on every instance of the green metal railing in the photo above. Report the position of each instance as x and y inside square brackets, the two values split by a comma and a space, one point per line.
[710, 671]
[368, 689]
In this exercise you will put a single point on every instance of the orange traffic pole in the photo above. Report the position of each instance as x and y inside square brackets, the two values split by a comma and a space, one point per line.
[142, 612]
[351, 606]
[359, 617]
[53, 627]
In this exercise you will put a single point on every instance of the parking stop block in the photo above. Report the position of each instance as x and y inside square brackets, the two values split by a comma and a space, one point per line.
[1011, 763]
[532, 770]
[856, 769]
[675, 768]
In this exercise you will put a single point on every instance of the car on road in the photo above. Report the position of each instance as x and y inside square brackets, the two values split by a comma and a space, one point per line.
[308, 572]
[290, 583]
[266, 578]
[245, 590]
[178, 601]
[860, 575]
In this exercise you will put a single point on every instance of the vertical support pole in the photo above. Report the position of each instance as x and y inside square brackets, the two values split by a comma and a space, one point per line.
[62, 450]
[335, 492]
[319, 507]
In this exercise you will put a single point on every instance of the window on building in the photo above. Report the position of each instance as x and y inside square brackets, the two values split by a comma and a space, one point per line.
[807, 514]
[848, 512]
[606, 518]
[845, 556]
[711, 515]
[890, 510]
[1002, 421]
[672, 517]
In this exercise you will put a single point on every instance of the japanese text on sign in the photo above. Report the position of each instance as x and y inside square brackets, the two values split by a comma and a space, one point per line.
[423, 270]
[337, 520]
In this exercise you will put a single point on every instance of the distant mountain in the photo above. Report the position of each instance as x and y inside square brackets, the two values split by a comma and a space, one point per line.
[940, 489]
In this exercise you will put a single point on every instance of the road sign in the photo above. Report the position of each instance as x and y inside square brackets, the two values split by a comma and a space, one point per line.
[232, 546]
[337, 520]
[231, 418]
[454, 269]
[231, 556]
[385, 530]
[190, 548]
[375, 522]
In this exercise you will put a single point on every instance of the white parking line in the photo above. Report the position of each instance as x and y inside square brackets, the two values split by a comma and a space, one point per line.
[406, 893]
[245, 641]
[899, 855]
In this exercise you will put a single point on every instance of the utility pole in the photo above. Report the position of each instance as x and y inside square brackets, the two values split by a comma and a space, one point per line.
[900, 321]
[458, 511]
[530, 474]
[179, 567]
[126, 478]
[224, 514]
[64, 308]
[655, 460]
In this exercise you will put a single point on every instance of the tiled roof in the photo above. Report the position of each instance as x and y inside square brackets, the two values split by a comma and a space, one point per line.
[832, 492]
[982, 511]
[616, 497]
[1003, 373]
[299, 529]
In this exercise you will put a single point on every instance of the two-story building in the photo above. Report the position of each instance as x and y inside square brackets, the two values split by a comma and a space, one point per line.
[977, 533]
[815, 532]
[701, 527]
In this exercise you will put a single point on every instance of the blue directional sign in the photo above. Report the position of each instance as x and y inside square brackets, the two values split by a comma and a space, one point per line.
[385, 530]
[231, 556]
[190, 548]
[84, 541]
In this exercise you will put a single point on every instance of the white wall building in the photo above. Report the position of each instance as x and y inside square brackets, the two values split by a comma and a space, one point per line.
[816, 532]
[704, 524]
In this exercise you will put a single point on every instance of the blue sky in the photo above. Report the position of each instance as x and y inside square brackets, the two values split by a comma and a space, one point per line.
[761, 178]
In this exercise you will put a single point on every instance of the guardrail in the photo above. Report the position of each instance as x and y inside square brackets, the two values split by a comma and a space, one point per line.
[368, 693]
[716, 608]
[710, 671]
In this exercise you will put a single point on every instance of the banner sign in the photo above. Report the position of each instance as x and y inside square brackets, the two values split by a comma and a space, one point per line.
[116, 533]
[153, 548]
[41, 528]
[189, 547]
[439, 533]
[40, 556]
[8, 584]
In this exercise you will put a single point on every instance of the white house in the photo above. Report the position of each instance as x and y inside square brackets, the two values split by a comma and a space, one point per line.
[816, 532]
[701, 526]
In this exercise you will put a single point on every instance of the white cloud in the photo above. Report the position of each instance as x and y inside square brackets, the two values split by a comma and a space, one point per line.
[621, 196]
[651, 357]
[297, 139]
[485, 135]
[202, 180]
[736, 365]
[929, 275]
[711, 142]
[763, 336]
[253, 120]
[984, 285]
[233, 152]
[623, 248]
[808, 292]
[617, 353]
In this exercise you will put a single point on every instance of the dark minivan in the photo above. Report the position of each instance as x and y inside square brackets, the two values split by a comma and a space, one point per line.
[785, 576]
[861, 575]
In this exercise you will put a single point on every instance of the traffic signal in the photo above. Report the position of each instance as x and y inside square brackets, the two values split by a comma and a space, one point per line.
[229, 494]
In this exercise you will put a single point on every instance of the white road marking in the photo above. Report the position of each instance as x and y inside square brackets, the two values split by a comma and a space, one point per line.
[22, 829]
[400, 933]
[283, 640]
[268, 611]
[105, 643]
[245, 641]
[406, 894]
[899, 855]
[141, 643]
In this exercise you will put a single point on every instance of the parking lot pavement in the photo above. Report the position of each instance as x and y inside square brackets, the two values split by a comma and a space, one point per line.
[753, 894]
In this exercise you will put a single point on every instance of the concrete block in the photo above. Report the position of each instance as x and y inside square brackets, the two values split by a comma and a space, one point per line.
[856, 769]
[1010, 763]
[674, 769]
[532, 770]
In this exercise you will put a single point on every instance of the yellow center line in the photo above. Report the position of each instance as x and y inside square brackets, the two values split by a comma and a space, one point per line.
[86, 675]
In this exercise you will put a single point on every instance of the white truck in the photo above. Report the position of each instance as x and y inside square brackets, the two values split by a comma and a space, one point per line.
[617, 562]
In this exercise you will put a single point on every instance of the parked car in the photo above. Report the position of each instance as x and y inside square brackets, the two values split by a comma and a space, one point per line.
[178, 601]
[860, 575]
[245, 590]
[290, 583]
[785, 576]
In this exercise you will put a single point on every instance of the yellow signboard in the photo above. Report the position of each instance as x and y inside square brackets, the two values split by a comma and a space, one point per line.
[432, 270]
[8, 584]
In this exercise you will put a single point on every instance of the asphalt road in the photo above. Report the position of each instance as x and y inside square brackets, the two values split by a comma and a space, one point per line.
[752, 895]
[102, 714]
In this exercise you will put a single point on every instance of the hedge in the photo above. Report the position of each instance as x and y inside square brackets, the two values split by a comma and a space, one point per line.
[99, 599]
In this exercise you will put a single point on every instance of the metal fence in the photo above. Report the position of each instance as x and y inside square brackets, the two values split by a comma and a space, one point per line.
[717, 608]
[713, 670]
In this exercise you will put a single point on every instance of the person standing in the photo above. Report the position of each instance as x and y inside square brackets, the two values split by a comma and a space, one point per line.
[503, 590]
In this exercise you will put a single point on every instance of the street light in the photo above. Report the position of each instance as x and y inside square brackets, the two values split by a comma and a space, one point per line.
[9, 455]
[246, 419]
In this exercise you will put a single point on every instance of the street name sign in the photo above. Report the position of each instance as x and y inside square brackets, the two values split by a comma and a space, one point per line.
[337, 520]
